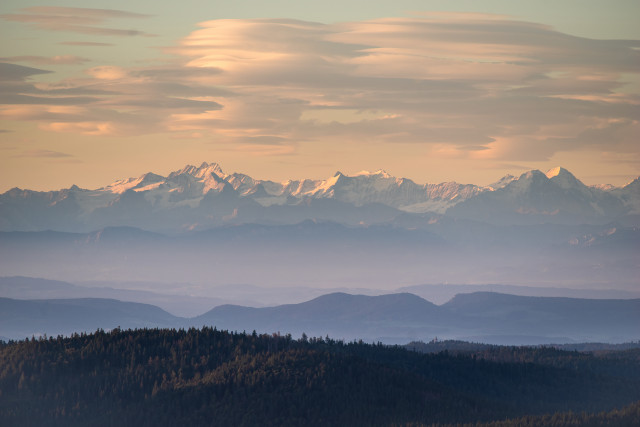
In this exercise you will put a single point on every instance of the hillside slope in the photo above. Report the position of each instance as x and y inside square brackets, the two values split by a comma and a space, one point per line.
[205, 377]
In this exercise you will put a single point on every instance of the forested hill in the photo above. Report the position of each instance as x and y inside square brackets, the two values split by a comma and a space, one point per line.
[209, 377]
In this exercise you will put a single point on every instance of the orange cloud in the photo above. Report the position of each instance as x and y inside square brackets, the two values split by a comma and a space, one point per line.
[464, 85]
[74, 19]
[86, 128]
[107, 72]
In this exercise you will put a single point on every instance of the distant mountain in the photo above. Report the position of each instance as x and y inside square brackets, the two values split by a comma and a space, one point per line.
[442, 293]
[340, 315]
[500, 318]
[481, 316]
[21, 319]
[556, 197]
[393, 318]
[320, 254]
[176, 303]
[311, 254]
[178, 298]
[203, 197]
[630, 195]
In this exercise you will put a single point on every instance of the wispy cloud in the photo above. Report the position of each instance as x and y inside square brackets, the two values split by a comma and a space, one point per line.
[47, 60]
[509, 89]
[97, 14]
[14, 72]
[94, 44]
[110, 101]
[42, 153]
[75, 20]
[464, 86]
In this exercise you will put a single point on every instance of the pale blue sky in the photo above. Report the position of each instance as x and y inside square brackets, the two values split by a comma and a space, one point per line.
[612, 19]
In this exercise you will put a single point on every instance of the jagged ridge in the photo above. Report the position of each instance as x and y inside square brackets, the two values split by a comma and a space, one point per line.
[207, 196]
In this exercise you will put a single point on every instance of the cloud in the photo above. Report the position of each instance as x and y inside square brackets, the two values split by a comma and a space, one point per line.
[14, 72]
[260, 150]
[464, 80]
[92, 128]
[44, 60]
[69, 12]
[111, 101]
[42, 153]
[271, 140]
[74, 19]
[16, 99]
[462, 85]
[107, 72]
[94, 44]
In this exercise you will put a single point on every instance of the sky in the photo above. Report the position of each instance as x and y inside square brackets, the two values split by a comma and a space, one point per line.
[434, 91]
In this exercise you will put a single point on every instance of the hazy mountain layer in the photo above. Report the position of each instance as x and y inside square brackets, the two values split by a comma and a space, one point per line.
[392, 318]
[330, 255]
[21, 319]
[176, 300]
[482, 317]
[189, 300]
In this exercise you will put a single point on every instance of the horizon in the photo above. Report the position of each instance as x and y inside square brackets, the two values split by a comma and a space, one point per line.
[547, 173]
[432, 91]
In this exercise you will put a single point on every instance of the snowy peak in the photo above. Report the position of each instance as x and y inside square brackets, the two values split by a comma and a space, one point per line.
[563, 178]
[556, 196]
[326, 187]
[241, 182]
[533, 175]
[381, 173]
[200, 196]
[604, 187]
[206, 170]
[635, 184]
[149, 180]
[187, 170]
[502, 182]
[141, 183]
[553, 172]
[630, 194]
[199, 172]
[530, 179]
[558, 176]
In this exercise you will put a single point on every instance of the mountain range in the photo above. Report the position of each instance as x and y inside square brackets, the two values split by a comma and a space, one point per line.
[187, 300]
[208, 229]
[198, 198]
[393, 318]
[481, 316]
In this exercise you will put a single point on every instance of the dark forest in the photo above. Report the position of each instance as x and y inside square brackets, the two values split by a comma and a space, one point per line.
[153, 377]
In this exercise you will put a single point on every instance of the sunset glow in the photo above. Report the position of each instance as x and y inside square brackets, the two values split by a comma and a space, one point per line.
[432, 94]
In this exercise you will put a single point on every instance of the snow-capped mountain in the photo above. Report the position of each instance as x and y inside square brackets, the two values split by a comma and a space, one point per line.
[555, 197]
[189, 186]
[205, 196]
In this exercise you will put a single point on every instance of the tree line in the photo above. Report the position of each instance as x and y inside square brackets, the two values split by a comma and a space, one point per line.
[156, 377]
